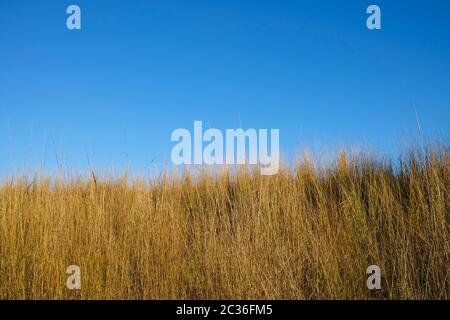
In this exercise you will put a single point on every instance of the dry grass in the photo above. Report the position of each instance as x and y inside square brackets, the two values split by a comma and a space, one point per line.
[306, 233]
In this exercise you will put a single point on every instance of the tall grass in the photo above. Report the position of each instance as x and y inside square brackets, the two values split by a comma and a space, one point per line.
[306, 233]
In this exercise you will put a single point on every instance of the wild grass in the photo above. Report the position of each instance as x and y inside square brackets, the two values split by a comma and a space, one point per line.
[306, 233]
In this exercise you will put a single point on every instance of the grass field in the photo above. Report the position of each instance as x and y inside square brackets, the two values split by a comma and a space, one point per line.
[307, 233]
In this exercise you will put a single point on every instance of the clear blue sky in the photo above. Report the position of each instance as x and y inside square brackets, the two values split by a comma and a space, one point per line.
[140, 69]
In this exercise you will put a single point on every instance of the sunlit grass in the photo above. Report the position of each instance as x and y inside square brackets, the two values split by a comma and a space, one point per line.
[306, 233]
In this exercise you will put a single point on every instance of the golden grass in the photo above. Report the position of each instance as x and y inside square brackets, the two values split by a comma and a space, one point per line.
[306, 233]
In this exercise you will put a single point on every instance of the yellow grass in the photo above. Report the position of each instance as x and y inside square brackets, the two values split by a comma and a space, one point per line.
[306, 233]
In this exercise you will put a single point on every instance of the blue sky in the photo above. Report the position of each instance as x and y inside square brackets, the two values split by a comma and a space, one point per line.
[114, 91]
